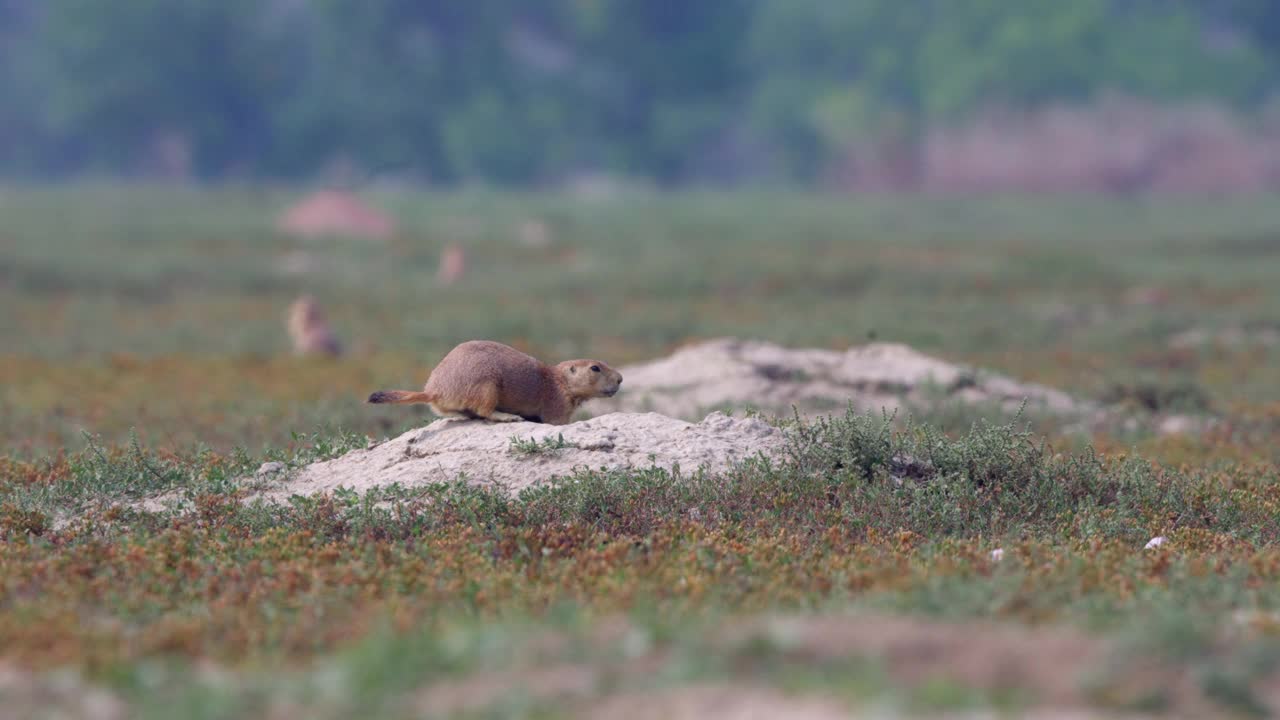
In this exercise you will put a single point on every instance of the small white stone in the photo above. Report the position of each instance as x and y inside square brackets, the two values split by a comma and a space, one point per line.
[997, 555]
[1178, 425]
[1155, 542]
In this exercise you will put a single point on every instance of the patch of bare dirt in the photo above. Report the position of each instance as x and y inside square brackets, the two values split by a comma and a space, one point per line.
[1059, 672]
[1120, 145]
[717, 702]
[476, 693]
[1052, 664]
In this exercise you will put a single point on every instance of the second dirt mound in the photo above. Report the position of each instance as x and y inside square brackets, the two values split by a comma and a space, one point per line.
[740, 374]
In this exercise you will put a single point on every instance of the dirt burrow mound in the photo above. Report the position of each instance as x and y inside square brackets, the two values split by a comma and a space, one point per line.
[517, 455]
[331, 212]
[641, 428]
[733, 373]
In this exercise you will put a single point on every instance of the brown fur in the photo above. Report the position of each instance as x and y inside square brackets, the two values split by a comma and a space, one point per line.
[309, 331]
[489, 380]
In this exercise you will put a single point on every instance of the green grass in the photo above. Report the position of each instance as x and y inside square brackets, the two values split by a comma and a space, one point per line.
[142, 355]
[861, 516]
[525, 446]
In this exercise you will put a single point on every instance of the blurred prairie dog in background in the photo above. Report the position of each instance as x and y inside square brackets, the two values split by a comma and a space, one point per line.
[453, 264]
[310, 331]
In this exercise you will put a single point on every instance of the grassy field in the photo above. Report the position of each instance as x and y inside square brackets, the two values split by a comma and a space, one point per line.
[142, 351]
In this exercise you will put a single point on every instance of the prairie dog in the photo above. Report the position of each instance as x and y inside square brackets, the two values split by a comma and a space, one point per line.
[309, 330]
[492, 381]
[453, 264]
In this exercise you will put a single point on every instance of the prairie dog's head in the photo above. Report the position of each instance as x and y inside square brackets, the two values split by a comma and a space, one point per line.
[590, 378]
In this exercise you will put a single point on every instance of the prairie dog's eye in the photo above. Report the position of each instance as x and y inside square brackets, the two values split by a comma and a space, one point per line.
[595, 368]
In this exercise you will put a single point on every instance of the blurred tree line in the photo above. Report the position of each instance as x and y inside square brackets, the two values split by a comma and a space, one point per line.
[522, 91]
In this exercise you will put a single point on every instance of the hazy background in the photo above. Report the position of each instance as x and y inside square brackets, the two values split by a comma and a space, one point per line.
[1113, 95]
[600, 178]
[1076, 193]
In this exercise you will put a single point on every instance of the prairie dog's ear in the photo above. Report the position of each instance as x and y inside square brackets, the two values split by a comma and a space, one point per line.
[573, 368]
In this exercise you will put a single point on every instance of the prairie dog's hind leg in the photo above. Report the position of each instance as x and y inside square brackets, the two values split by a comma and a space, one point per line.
[499, 416]
[483, 401]
[450, 414]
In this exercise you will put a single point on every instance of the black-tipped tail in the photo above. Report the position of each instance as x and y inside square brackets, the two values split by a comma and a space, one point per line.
[397, 397]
